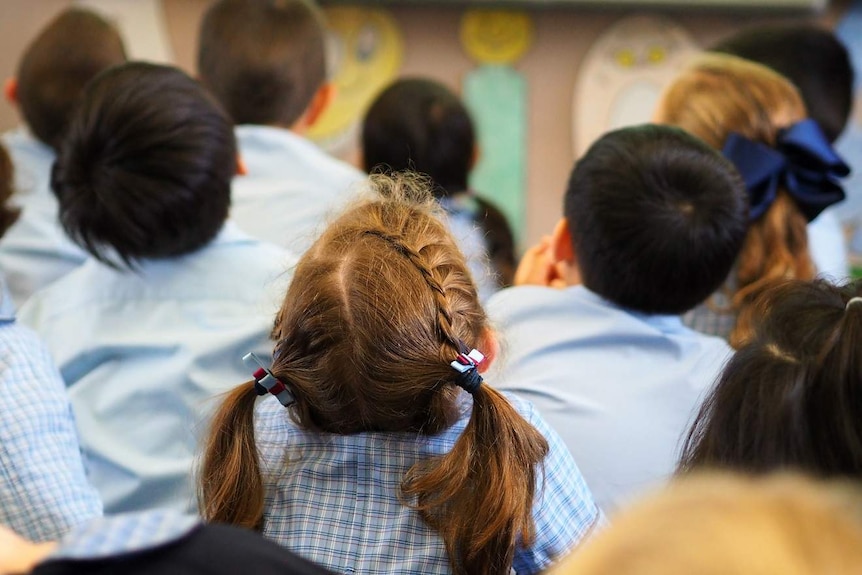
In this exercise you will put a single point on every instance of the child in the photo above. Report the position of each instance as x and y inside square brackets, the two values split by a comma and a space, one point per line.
[156, 322]
[265, 61]
[653, 222]
[757, 119]
[417, 124]
[789, 398]
[818, 64]
[43, 489]
[380, 463]
[56, 66]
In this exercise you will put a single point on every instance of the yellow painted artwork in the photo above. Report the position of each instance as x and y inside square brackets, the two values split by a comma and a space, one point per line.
[365, 54]
[496, 36]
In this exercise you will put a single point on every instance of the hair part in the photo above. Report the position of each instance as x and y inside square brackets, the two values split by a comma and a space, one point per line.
[145, 170]
[263, 59]
[75, 47]
[377, 309]
[657, 218]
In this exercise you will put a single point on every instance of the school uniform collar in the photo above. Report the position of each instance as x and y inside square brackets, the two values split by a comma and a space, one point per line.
[7, 306]
[665, 323]
[270, 137]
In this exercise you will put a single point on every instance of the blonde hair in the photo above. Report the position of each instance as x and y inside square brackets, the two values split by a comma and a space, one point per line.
[731, 525]
[720, 94]
[377, 309]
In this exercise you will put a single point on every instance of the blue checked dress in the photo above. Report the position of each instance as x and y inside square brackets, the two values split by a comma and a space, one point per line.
[335, 499]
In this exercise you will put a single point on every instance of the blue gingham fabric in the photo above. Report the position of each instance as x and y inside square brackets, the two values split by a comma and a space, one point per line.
[107, 537]
[44, 490]
[336, 499]
[716, 315]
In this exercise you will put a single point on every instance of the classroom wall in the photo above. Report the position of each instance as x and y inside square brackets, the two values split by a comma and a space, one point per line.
[432, 48]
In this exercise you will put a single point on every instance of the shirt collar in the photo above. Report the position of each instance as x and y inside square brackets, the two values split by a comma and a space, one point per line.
[665, 323]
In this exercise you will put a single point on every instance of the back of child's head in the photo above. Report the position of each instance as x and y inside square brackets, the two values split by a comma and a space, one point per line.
[145, 169]
[657, 218]
[790, 397]
[419, 124]
[58, 63]
[812, 58]
[263, 59]
[377, 310]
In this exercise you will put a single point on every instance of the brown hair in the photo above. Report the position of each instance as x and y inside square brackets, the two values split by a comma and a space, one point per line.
[723, 524]
[376, 311]
[721, 94]
[263, 59]
[8, 214]
[75, 47]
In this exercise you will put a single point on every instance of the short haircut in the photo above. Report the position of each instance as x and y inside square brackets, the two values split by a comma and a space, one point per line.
[420, 125]
[263, 59]
[790, 397]
[812, 58]
[657, 218]
[146, 167]
[56, 66]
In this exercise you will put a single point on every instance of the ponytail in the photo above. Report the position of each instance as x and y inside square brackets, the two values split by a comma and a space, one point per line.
[479, 496]
[230, 484]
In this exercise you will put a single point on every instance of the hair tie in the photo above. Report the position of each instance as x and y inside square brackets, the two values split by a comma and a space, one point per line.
[852, 301]
[265, 382]
[803, 161]
[468, 378]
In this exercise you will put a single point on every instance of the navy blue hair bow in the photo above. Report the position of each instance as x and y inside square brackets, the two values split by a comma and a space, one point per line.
[802, 160]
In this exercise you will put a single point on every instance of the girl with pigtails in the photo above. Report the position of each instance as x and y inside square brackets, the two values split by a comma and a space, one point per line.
[379, 449]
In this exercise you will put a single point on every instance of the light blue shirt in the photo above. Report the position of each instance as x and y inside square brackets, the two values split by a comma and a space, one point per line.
[35, 251]
[44, 491]
[336, 499]
[292, 188]
[621, 388]
[828, 247]
[145, 352]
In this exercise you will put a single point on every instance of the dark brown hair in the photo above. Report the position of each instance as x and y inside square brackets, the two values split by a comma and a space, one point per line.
[376, 311]
[8, 214]
[75, 47]
[791, 397]
[263, 59]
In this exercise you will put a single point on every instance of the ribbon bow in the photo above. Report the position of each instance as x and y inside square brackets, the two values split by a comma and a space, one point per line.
[802, 160]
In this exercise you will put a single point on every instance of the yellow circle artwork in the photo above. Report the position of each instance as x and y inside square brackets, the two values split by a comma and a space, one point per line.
[365, 54]
[496, 36]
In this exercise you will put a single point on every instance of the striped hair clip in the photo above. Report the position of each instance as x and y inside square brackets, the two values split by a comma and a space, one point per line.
[265, 382]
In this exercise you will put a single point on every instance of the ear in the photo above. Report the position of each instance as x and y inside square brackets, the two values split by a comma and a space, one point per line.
[561, 243]
[320, 102]
[475, 156]
[10, 90]
[490, 349]
[241, 168]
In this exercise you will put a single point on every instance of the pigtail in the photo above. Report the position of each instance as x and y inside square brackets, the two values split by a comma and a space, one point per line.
[479, 496]
[230, 484]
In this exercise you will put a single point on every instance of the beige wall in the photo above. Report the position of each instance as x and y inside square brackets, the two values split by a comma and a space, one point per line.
[432, 48]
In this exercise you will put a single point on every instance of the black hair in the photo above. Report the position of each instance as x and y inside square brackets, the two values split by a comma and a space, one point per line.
[812, 58]
[263, 59]
[146, 166]
[791, 397]
[657, 218]
[419, 125]
[75, 47]
[8, 213]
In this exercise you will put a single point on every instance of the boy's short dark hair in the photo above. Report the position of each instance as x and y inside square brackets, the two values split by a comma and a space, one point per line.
[58, 63]
[420, 125]
[146, 166]
[812, 58]
[657, 218]
[263, 59]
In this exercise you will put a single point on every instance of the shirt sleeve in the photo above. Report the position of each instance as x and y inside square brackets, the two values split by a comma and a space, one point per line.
[44, 490]
[564, 510]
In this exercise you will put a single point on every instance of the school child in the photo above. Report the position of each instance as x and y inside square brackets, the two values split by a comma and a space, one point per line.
[418, 124]
[789, 396]
[156, 322]
[384, 451]
[653, 221]
[148, 543]
[818, 65]
[758, 121]
[265, 62]
[43, 488]
[71, 50]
